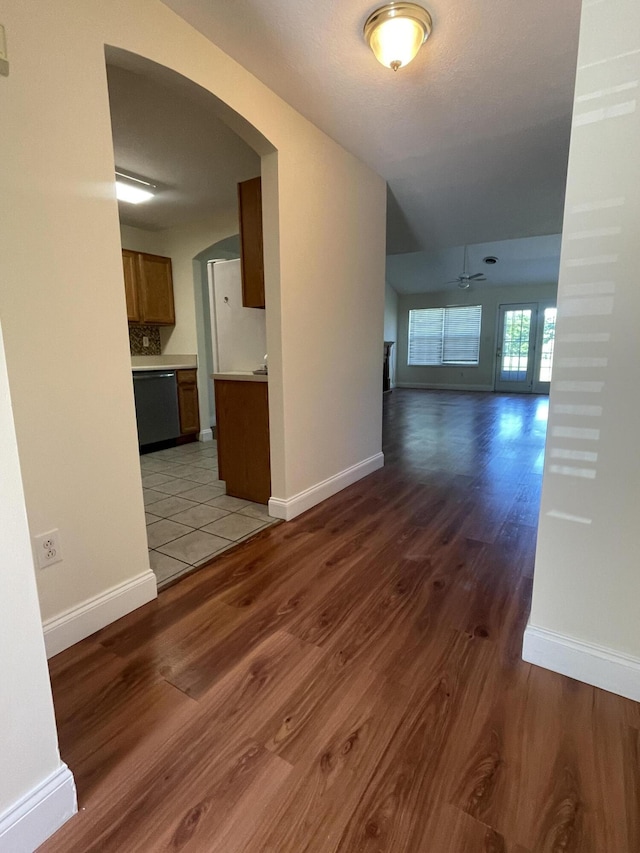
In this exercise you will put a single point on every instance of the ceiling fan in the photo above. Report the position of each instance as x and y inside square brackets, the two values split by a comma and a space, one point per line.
[464, 280]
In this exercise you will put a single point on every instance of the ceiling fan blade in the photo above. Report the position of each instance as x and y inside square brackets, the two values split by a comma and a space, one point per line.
[479, 276]
[453, 281]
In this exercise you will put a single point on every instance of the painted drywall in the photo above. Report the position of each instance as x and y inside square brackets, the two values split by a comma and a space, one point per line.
[141, 240]
[182, 245]
[331, 313]
[74, 413]
[390, 313]
[28, 738]
[391, 326]
[73, 402]
[587, 582]
[482, 376]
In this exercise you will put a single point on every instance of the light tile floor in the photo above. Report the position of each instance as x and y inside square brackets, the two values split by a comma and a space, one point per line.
[190, 519]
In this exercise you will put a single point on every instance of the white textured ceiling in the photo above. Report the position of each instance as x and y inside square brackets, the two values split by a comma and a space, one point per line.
[472, 137]
[529, 260]
[167, 131]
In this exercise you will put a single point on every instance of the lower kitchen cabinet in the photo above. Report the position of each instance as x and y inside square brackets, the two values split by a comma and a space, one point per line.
[242, 431]
[188, 402]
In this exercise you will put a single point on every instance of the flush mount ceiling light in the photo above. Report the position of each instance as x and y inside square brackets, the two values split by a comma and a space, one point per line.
[396, 32]
[133, 190]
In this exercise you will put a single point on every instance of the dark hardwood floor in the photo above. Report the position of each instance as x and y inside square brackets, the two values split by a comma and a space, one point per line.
[351, 681]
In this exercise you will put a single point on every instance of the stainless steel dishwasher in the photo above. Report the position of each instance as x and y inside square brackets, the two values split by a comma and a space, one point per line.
[156, 394]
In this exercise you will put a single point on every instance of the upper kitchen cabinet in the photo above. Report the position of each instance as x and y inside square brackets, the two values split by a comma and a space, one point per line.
[250, 205]
[149, 288]
[130, 264]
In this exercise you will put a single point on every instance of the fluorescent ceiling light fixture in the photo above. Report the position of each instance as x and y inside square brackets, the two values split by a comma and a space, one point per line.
[133, 190]
[396, 32]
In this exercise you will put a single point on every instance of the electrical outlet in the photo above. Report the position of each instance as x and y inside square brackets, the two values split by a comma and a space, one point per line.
[145, 341]
[48, 550]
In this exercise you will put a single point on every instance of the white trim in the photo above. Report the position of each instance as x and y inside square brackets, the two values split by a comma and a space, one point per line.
[85, 619]
[602, 667]
[40, 813]
[289, 508]
[433, 386]
[205, 435]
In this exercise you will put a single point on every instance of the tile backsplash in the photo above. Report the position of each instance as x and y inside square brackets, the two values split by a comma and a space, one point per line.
[137, 333]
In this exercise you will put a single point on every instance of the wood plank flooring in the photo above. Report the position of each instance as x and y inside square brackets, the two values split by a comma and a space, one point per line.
[351, 681]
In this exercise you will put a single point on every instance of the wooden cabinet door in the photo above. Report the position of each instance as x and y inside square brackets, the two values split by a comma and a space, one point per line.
[188, 402]
[130, 265]
[251, 253]
[155, 283]
[242, 429]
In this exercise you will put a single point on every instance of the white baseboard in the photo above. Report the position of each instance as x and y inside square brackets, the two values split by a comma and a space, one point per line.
[592, 664]
[431, 386]
[40, 813]
[288, 508]
[205, 435]
[85, 619]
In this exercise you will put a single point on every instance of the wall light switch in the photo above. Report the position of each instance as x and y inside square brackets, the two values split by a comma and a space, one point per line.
[145, 341]
[4, 56]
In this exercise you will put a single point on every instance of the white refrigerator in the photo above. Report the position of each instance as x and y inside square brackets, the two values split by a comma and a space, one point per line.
[238, 334]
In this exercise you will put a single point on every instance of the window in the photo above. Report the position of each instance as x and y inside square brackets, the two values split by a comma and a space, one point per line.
[445, 335]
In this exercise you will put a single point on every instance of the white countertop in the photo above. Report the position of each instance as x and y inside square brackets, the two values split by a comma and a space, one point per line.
[163, 362]
[241, 376]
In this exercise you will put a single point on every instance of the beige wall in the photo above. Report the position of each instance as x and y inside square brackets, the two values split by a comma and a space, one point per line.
[475, 378]
[73, 404]
[390, 313]
[324, 261]
[182, 245]
[141, 240]
[28, 739]
[587, 580]
[331, 314]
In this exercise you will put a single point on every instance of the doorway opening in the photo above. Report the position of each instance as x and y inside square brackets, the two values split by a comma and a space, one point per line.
[195, 154]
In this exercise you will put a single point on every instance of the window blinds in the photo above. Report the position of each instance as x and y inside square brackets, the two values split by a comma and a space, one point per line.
[445, 335]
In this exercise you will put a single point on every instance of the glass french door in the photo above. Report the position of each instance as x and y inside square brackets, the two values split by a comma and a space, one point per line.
[524, 357]
[545, 340]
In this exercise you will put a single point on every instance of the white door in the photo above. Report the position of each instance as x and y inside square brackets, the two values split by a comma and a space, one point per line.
[524, 358]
